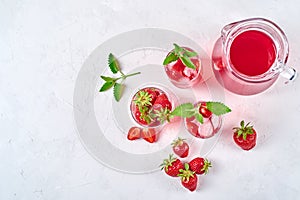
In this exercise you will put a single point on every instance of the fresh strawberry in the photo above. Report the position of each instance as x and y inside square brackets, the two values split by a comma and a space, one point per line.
[134, 133]
[180, 148]
[163, 100]
[200, 165]
[172, 166]
[192, 128]
[152, 93]
[204, 111]
[149, 134]
[189, 179]
[245, 136]
[139, 118]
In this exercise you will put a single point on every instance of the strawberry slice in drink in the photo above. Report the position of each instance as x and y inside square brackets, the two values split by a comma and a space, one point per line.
[175, 72]
[193, 128]
[163, 100]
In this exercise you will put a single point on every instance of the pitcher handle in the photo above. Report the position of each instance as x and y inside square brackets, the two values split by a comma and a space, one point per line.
[290, 74]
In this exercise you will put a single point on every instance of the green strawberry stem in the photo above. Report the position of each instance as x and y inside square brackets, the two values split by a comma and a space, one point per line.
[168, 162]
[186, 173]
[206, 166]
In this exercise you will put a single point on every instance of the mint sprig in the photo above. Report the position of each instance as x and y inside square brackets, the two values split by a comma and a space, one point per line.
[188, 110]
[118, 91]
[180, 53]
[184, 110]
[217, 108]
[111, 81]
[113, 63]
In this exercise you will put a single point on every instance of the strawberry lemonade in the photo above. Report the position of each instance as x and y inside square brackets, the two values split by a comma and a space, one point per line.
[182, 66]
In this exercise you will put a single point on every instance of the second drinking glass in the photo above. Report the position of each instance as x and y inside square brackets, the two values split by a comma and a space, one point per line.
[183, 67]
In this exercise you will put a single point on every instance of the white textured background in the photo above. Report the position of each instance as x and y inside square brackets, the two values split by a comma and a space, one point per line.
[42, 47]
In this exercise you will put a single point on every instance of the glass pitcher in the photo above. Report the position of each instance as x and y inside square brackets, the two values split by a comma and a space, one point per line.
[250, 55]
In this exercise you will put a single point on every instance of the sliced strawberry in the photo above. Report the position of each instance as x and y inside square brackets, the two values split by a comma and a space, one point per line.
[190, 73]
[149, 134]
[174, 70]
[173, 75]
[163, 100]
[193, 128]
[134, 133]
[189, 119]
[178, 66]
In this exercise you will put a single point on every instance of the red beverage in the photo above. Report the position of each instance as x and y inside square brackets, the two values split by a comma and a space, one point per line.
[182, 76]
[252, 53]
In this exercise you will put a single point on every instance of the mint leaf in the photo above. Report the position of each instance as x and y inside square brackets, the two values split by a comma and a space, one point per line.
[187, 62]
[217, 108]
[118, 91]
[199, 117]
[106, 86]
[113, 63]
[108, 79]
[170, 58]
[184, 110]
[178, 50]
[190, 53]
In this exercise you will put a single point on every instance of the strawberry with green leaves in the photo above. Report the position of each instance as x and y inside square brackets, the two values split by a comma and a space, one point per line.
[200, 165]
[172, 166]
[112, 81]
[189, 179]
[182, 63]
[142, 103]
[180, 147]
[245, 136]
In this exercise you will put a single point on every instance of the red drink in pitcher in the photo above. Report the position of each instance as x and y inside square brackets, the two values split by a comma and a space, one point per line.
[250, 55]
